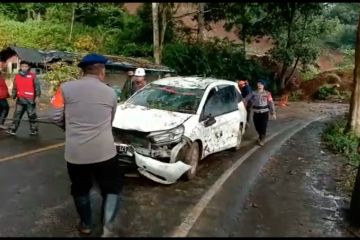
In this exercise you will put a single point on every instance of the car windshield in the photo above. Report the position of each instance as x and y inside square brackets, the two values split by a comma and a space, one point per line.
[184, 100]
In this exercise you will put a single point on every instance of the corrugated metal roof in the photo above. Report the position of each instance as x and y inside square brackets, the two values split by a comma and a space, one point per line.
[59, 55]
[36, 56]
[28, 54]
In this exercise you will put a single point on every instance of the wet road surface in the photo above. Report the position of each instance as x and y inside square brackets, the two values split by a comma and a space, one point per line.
[294, 196]
[35, 188]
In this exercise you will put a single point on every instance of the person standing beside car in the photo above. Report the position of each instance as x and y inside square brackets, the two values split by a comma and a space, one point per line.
[85, 109]
[262, 103]
[245, 90]
[126, 91]
[134, 83]
[4, 105]
[139, 80]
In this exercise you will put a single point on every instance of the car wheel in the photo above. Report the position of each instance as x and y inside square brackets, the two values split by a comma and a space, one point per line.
[192, 158]
[239, 138]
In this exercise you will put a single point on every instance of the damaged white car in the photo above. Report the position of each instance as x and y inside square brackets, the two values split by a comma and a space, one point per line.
[171, 124]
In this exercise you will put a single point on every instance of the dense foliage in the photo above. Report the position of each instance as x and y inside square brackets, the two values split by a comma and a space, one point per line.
[298, 30]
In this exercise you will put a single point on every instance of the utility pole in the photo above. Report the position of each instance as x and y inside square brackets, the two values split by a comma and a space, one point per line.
[156, 42]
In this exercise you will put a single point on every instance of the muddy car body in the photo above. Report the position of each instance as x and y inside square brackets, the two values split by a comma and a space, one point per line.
[172, 123]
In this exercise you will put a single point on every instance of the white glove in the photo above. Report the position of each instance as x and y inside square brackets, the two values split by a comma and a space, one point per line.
[273, 116]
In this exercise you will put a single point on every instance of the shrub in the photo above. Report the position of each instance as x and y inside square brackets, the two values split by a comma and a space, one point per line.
[309, 72]
[61, 72]
[325, 92]
[341, 142]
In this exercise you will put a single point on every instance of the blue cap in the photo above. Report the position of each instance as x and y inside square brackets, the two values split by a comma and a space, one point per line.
[91, 59]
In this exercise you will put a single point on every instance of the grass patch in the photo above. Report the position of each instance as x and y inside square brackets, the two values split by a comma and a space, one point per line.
[340, 142]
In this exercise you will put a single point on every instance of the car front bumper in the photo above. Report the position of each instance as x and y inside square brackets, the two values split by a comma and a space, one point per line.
[165, 173]
[156, 170]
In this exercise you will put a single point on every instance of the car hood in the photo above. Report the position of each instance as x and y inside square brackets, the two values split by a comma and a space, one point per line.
[134, 117]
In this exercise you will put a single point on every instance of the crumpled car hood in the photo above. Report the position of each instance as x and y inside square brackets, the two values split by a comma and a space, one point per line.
[133, 117]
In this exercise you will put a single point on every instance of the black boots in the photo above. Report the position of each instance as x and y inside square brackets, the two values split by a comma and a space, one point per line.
[261, 140]
[83, 207]
[110, 208]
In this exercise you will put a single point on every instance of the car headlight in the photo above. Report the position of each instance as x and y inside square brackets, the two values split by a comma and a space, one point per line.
[171, 135]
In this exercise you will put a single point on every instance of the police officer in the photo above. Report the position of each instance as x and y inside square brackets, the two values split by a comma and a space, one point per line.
[262, 103]
[26, 88]
[85, 109]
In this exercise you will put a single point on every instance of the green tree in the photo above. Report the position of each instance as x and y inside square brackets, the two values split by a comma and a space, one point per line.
[24, 11]
[296, 29]
[61, 72]
[245, 17]
[347, 13]
[163, 16]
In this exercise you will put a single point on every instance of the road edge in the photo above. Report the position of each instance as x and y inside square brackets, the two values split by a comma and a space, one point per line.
[194, 213]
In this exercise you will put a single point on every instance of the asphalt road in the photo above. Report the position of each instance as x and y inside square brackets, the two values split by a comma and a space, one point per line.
[35, 199]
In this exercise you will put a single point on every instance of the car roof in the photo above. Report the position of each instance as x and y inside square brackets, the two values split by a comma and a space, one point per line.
[191, 82]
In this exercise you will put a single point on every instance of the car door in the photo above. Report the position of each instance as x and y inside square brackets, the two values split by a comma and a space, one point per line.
[220, 105]
[229, 117]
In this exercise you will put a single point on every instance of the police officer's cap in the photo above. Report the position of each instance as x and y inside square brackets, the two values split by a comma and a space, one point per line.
[91, 59]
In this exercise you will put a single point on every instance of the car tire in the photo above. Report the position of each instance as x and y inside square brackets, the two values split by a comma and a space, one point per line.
[239, 138]
[192, 158]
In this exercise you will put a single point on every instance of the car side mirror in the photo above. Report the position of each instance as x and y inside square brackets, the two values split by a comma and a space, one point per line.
[210, 120]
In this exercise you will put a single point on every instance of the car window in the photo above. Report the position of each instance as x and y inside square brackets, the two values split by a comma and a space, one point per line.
[238, 95]
[221, 101]
[168, 98]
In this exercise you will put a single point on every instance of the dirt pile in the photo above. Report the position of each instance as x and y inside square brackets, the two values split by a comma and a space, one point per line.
[310, 87]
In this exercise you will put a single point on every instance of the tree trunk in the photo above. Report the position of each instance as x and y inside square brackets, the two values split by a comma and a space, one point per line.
[292, 71]
[72, 22]
[155, 17]
[201, 22]
[288, 43]
[353, 124]
[355, 200]
[282, 76]
[164, 22]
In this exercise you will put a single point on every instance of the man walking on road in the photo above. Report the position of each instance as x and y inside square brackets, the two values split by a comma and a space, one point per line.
[26, 89]
[85, 109]
[262, 103]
